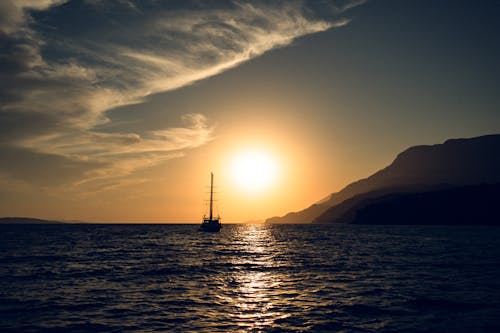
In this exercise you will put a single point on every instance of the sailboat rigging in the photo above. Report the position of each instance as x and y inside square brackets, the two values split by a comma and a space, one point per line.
[211, 223]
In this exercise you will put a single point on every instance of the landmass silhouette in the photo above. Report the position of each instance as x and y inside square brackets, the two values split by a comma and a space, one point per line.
[434, 172]
[26, 220]
[467, 205]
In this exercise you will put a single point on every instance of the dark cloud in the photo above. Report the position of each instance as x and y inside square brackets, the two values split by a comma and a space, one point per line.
[15, 126]
[17, 55]
[42, 169]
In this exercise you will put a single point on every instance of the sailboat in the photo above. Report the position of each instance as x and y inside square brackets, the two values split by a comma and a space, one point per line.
[211, 224]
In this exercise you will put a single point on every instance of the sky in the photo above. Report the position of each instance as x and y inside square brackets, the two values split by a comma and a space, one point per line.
[117, 111]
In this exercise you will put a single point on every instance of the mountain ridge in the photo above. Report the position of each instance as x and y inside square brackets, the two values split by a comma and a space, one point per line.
[460, 205]
[457, 162]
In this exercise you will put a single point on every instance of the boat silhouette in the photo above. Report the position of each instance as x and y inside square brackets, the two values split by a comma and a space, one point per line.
[211, 223]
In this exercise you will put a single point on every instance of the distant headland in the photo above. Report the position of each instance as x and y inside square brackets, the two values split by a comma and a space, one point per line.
[26, 220]
[457, 182]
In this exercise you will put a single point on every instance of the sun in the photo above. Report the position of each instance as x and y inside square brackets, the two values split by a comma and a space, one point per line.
[254, 171]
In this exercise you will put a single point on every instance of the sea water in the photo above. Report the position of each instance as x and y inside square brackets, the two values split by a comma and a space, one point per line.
[249, 278]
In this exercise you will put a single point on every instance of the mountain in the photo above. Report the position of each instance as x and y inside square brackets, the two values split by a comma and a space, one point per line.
[25, 220]
[337, 212]
[464, 205]
[456, 162]
[304, 216]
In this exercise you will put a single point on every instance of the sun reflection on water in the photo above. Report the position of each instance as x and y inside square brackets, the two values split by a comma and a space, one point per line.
[255, 297]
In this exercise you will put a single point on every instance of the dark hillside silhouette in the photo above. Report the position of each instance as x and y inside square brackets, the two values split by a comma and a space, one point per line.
[467, 205]
[25, 220]
[456, 162]
[335, 212]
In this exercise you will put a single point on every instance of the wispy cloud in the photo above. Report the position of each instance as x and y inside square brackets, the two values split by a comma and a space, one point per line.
[63, 64]
[13, 13]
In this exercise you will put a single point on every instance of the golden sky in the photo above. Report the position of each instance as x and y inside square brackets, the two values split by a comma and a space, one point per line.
[118, 112]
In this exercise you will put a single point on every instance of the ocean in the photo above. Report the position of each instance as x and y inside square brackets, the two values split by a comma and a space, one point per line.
[249, 278]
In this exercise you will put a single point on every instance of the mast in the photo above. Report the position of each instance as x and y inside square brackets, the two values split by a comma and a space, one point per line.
[211, 194]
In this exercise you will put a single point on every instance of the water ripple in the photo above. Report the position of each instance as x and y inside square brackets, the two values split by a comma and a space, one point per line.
[249, 278]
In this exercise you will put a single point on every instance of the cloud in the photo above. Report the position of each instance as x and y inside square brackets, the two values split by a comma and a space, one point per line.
[42, 169]
[63, 64]
[13, 13]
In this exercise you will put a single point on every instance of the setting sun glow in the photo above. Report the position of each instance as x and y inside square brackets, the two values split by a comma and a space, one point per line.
[253, 170]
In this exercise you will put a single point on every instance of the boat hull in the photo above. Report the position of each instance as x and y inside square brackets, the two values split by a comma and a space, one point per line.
[210, 226]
